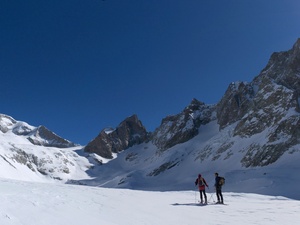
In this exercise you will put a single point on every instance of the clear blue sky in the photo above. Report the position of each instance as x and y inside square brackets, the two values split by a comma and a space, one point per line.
[78, 66]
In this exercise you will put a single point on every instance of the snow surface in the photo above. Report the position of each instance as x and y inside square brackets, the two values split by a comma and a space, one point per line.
[33, 203]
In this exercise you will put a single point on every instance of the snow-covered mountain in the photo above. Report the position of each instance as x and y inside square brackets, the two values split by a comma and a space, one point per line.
[36, 135]
[37, 154]
[251, 137]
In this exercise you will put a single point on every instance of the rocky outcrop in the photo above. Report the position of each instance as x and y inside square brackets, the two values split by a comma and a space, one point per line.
[129, 132]
[284, 69]
[235, 103]
[278, 85]
[183, 126]
[269, 108]
[274, 109]
[44, 137]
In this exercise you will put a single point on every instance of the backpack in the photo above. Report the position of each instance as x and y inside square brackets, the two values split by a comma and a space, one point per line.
[222, 181]
[201, 182]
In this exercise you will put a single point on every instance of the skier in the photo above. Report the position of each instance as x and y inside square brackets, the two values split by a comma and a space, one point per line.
[218, 186]
[200, 181]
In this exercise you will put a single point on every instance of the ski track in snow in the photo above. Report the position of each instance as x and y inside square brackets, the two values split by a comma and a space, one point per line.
[29, 203]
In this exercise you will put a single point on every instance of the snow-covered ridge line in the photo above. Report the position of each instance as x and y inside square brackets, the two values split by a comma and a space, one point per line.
[36, 135]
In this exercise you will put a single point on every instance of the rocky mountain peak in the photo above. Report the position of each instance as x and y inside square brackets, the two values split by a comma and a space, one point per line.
[235, 103]
[283, 68]
[128, 133]
[43, 136]
[182, 127]
[279, 78]
[194, 105]
[275, 108]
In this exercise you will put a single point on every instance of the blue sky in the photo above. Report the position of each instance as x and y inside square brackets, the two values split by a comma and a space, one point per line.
[78, 66]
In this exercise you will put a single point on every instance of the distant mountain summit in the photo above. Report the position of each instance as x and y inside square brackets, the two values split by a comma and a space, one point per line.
[36, 135]
[173, 130]
[129, 132]
[283, 68]
[182, 127]
[37, 154]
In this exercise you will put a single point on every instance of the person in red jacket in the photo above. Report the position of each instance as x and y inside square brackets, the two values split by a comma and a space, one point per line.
[200, 181]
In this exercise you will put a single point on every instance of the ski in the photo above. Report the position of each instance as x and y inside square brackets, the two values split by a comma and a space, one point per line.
[208, 203]
[220, 203]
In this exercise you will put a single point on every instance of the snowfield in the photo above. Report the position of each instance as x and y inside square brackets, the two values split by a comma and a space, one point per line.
[32, 203]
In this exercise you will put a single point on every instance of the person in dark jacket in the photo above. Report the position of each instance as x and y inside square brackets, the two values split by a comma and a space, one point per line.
[200, 181]
[218, 187]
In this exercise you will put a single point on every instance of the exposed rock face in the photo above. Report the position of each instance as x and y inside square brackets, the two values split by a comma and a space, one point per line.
[284, 68]
[42, 136]
[277, 86]
[269, 108]
[235, 103]
[128, 133]
[271, 105]
[183, 126]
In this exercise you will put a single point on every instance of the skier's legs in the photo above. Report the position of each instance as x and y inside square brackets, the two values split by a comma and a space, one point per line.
[201, 198]
[205, 197]
[221, 195]
[217, 193]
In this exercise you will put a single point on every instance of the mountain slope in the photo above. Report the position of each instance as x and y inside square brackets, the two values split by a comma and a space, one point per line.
[30, 153]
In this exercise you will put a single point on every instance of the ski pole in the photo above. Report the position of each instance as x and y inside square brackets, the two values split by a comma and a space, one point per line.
[195, 194]
[212, 197]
